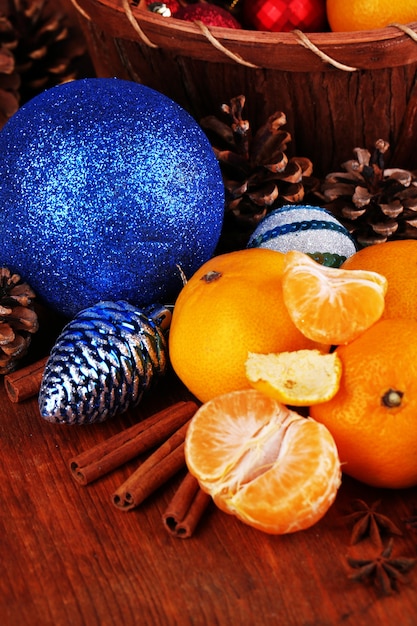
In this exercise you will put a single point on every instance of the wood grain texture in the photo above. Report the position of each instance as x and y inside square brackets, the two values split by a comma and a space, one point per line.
[70, 557]
[329, 111]
[390, 47]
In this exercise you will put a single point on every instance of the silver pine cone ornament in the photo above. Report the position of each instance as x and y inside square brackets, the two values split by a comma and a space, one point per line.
[18, 319]
[258, 175]
[374, 203]
[104, 360]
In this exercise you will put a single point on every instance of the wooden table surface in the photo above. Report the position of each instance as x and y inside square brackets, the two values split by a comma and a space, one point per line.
[71, 558]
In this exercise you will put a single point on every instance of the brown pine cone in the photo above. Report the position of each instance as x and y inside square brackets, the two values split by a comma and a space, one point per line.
[18, 320]
[47, 46]
[257, 174]
[375, 204]
[9, 83]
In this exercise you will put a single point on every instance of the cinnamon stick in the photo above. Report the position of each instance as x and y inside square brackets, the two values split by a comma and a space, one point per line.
[25, 382]
[186, 508]
[110, 454]
[158, 468]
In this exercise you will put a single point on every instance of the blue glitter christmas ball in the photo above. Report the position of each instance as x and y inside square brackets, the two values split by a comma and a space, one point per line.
[107, 187]
[305, 228]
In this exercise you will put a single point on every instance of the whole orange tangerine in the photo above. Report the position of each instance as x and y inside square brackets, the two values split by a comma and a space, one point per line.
[369, 14]
[260, 461]
[397, 261]
[373, 416]
[231, 306]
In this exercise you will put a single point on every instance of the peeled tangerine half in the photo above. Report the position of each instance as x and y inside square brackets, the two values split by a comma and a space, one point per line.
[272, 468]
[298, 378]
[331, 305]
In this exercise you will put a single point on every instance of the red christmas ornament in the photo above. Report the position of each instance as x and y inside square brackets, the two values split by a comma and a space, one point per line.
[209, 14]
[285, 15]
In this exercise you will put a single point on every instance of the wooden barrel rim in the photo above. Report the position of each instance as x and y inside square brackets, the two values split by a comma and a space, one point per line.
[393, 46]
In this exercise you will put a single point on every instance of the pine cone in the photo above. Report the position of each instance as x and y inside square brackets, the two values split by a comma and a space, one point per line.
[103, 362]
[18, 320]
[47, 46]
[375, 204]
[9, 83]
[257, 174]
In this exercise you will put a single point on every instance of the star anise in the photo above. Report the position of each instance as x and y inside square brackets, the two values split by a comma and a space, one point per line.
[369, 523]
[383, 571]
[411, 521]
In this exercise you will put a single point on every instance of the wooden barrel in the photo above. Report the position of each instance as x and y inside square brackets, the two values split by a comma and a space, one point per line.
[338, 90]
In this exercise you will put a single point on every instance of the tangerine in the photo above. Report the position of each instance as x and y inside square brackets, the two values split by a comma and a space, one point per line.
[260, 461]
[299, 378]
[397, 261]
[373, 416]
[329, 304]
[369, 14]
[231, 306]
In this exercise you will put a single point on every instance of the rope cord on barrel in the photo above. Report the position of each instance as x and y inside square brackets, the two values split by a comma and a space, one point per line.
[406, 29]
[135, 24]
[206, 32]
[216, 43]
[305, 41]
[81, 10]
[301, 36]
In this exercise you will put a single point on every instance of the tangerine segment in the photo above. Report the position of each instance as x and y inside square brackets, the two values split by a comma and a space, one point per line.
[298, 378]
[331, 305]
[260, 461]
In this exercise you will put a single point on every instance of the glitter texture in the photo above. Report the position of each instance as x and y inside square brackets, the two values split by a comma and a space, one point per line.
[309, 229]
[106, 187]
[207, 14]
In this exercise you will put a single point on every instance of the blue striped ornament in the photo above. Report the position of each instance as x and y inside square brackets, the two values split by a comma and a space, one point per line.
[103, 362]
[309, 229]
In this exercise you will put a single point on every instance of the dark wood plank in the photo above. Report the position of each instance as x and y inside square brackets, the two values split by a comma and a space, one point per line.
[70, 557]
